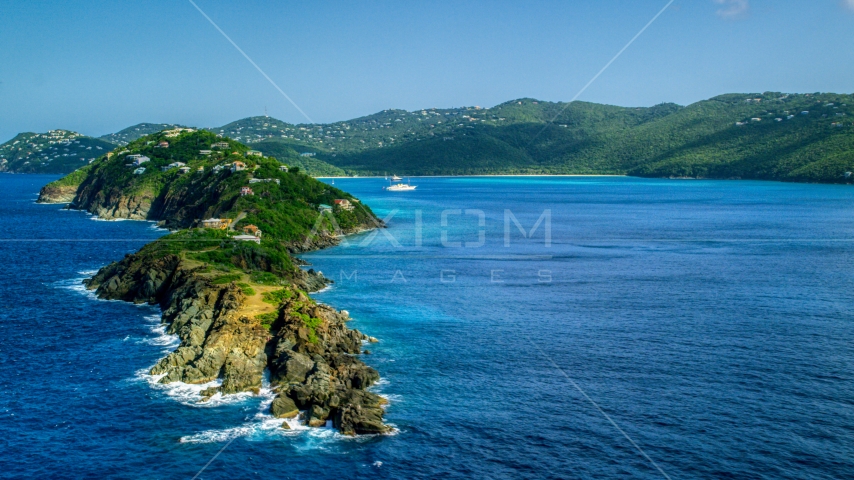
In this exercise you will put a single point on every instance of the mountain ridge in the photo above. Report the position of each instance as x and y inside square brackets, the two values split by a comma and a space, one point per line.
[768, 136]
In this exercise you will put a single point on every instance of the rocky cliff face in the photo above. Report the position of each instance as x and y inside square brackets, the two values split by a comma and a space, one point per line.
[309, 350]
[313, 368]
[99, 199]
[57, 194]
[109, 202]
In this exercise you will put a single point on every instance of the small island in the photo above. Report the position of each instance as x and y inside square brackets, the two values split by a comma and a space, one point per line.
[226, 278]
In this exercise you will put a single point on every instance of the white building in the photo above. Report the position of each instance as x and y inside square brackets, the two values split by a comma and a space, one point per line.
[247, 238]
[172, 165]
[137, 159]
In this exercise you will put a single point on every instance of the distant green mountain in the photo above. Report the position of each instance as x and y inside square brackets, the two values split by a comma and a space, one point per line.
[124, 137]
[773, 136]
[57, 151]
[306, 161]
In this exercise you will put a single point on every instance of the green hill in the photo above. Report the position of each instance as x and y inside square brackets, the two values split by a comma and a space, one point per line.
[755, 136]
[225, 277]
[758, 136]
[57, 151]
[188, 177]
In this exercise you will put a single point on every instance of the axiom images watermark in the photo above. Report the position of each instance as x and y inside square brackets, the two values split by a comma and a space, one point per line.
[326, 225]
[494, 276]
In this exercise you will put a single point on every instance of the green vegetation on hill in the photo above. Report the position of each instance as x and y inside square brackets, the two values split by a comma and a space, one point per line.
[310, 164]
[715, 138]
[57, 151]
[284, 205]
[755, 136]
[235, 295]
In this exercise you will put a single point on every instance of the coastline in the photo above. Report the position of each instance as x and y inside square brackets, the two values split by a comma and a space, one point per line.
[223, 346]
[596, 176]
[485, 175]
[240, 309]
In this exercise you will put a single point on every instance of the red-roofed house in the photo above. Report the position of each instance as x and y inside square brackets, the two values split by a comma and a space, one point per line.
[252, 230]
[343, 203]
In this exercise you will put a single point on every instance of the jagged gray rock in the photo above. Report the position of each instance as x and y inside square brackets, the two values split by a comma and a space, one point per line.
[311, 354]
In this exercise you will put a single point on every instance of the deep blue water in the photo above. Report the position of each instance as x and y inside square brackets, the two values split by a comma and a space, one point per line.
[710, 320]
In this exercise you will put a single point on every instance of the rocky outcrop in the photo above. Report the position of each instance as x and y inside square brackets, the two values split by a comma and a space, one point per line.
[313, 365]
[57, 194]
[179, 207]
[111, 203]
[308, 350]
[217, 342]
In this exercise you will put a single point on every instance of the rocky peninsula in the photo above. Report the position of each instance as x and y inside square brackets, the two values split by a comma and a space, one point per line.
[238, 303]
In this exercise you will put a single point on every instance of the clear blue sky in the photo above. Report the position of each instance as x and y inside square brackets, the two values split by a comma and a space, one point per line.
[96, 66]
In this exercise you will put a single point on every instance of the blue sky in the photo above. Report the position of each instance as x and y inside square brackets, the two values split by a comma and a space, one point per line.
[96, 66]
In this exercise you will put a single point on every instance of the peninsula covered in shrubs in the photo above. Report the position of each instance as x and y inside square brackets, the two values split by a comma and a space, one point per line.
[226, 277]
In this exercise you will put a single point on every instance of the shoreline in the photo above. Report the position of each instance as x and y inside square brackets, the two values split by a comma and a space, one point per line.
[182, 303]
[597, 175]
[488, 175]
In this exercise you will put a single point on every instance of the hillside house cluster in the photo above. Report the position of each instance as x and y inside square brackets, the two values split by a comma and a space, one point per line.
[245, 191]
[219, 145]
[254, 153]
[177, 131]
[283, 168]
[238, 166]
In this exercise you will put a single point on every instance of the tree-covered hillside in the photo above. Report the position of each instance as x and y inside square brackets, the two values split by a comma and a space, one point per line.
[57, 151]
[774, 136]
[186, 178]
[796, 137]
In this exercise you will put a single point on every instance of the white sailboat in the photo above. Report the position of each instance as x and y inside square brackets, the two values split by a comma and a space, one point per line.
[395, 178]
